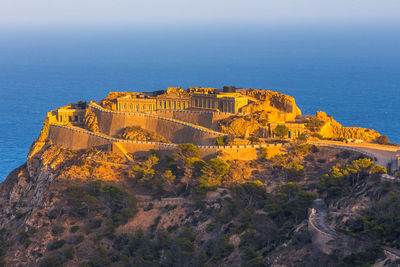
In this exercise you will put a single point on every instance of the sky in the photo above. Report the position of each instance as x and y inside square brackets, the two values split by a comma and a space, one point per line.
[39, 13]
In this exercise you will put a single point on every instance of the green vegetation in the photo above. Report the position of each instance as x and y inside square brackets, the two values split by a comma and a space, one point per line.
[294, 171]
[142, 250]
[263, 154]
[74, 229]
[314, 124]
[281, 131]
[221, 140]
[120, 205]
[380, 222]
[213, 173]
[341, 179]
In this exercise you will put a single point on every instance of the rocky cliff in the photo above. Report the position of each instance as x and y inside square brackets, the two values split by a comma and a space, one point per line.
[329, 128]
[274, 102]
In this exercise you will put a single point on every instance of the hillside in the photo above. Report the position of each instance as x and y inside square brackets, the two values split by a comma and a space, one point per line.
[89, 208]
[202, 177]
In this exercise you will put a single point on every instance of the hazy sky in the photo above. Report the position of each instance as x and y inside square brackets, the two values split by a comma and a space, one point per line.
[131, 12]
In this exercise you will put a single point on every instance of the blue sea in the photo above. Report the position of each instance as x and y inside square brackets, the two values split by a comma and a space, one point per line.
[351, 72]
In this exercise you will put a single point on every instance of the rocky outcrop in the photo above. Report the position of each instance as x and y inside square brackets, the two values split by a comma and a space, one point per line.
[330, 128]
[240, 126]
[91, 122]
[136, 133]
[272, 102]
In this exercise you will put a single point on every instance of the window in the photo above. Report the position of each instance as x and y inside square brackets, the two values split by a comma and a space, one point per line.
[124, 106]
[137, 107]
[76, 118]
[130, 107]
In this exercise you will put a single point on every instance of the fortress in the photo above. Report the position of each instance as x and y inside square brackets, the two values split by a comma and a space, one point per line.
[229, 121]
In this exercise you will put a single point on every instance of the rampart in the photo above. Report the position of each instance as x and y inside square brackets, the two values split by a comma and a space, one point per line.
[208, 119]
[112, 123]
[77, 138]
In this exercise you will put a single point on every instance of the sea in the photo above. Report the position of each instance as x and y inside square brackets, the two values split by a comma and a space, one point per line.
[352, 72]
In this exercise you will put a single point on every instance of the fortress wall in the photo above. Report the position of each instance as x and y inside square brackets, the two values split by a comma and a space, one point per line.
[76, 140]
[206, 152]
[113, 123]
[206, 119]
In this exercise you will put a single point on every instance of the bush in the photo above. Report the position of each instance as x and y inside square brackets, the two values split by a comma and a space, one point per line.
[221, 140]
[281, 131]
[220, 249]
[188, 150]
[382, 140]
[56, 244]
[74, 229]
[210, 227]
[263, 154]
[69, 253]
[75, 239]
[294, 170]
[213, 173]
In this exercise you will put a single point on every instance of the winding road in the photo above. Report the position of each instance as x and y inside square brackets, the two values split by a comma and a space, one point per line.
[318, 219]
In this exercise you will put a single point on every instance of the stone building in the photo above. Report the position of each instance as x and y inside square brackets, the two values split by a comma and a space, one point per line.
[175, 98]
[226, 101]
[70, 114]
[136, 103]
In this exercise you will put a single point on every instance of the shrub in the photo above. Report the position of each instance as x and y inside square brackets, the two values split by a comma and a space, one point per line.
[221, 140]
[263, 154]
[75, 239]
[74, 229]
[383, 140]
[69, 253]
[213, 172]
[210, 227]
[294, 170]
[281, 131]
[188, 150]
[220, 249]
[56, 244]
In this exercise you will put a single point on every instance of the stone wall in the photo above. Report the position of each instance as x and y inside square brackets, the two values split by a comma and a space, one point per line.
[112, 123]
[76, 138]
[206, 119]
